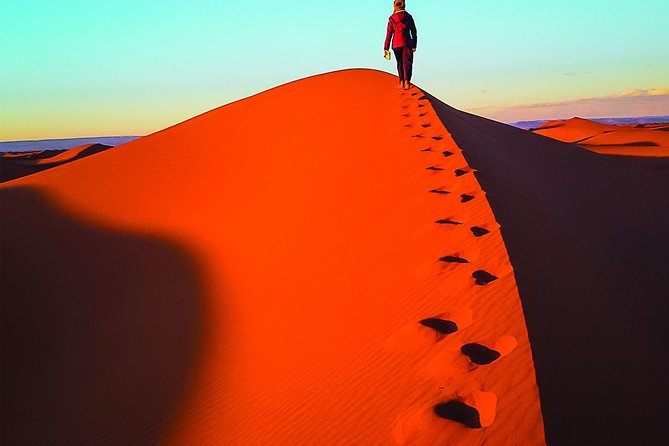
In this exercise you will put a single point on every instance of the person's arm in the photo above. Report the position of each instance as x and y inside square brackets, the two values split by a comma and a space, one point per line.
[389, 35]
[414, 35]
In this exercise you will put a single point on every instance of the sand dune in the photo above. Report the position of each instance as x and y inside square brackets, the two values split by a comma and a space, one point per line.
[15, 165]
[636, 140]
[587, 240]
[62, 143]
[318, 264]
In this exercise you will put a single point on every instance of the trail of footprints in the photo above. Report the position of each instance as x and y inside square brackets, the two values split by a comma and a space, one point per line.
[479, 355]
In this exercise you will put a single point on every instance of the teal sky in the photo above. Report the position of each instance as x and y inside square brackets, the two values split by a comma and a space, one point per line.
[87, 68]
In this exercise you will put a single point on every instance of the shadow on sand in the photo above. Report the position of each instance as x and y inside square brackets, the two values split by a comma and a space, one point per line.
[12, 168]
[587, 237]
[101, 330]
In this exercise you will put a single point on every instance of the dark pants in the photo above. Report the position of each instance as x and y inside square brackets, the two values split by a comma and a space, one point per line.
[404, 57]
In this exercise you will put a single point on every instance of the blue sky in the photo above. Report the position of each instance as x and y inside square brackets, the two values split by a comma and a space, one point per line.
[79, 68]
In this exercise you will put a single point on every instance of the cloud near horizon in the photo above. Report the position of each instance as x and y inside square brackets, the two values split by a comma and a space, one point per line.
[640, 92]
[633, 102]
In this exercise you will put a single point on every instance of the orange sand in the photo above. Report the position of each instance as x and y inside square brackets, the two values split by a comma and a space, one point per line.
[310, 214]
[318, 264]
[637, 140]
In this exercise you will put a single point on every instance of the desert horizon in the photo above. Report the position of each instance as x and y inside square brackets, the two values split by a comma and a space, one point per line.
[247, 285]
[65, 143]
[624, 136]
[375, 224]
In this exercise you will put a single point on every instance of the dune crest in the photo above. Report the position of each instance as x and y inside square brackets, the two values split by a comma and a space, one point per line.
[351, 279]
[317, 212]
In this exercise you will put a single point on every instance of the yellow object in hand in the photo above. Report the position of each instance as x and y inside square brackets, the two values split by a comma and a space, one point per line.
[387, 54]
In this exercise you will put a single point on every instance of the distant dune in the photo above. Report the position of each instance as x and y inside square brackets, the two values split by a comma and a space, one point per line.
[613, 121]
[337, 261]
[62, 144]
[630, 139]
[19, 164]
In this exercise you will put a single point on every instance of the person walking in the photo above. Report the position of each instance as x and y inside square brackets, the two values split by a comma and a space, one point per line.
[402, 32]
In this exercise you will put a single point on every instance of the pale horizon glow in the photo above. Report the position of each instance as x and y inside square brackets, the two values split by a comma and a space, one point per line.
[72, 68]
[632, 103]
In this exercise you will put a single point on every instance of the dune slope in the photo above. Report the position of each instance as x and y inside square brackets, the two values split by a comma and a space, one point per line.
[636, 140]
[587, 238]
[333, 264]
[319, 264]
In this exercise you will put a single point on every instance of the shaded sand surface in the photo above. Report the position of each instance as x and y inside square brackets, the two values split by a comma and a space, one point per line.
[325, 253]
[101, 328]
[634, 139]
[15, 165]
[61, 143]
[587, 237]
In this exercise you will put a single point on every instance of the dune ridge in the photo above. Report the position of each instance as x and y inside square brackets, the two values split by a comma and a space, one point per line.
[650, 140]
[351, 281]
[312, 213]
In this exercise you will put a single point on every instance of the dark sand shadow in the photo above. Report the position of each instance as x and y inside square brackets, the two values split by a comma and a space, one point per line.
[583, 142]
[480, 354]
[441, 326]
[459, 412]
[483, 277]
[101, 331]
[13, 168]
[588, 240]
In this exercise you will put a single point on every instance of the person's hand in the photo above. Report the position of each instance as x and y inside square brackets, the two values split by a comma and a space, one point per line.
[386, 54]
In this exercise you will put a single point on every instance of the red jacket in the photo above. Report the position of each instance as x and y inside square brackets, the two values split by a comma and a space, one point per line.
[402, 30]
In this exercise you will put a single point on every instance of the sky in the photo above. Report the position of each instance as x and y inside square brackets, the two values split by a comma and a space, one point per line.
[73, 68]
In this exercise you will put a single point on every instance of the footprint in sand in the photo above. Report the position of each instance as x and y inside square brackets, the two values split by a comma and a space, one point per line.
[425, 126]
[406, 115]
[479, 231]
[423, 334]
[475, 411]
[408, 125]
[460, 172]
[437, 138]
[434, 168]
[427, 149]
[418, 135]
[447, 221]
[453, 259]
[422, 114]
[441, 326]
[439, 191]
[483, 277]
[466, 197]
[460, 412]
[446, 153]
[449, 322]
[421, 105]
[481, 355]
